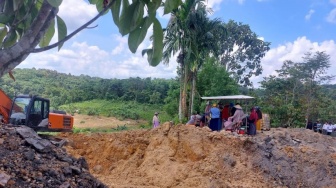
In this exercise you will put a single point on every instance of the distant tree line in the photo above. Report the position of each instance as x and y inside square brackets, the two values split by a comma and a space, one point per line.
[63, 88]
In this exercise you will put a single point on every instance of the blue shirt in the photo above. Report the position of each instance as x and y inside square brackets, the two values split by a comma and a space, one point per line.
[215, 113]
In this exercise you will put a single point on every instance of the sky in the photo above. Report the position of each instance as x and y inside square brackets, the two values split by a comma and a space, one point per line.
[293, 27]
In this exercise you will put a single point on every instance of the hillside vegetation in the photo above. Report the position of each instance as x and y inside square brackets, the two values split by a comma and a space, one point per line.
[287, 100]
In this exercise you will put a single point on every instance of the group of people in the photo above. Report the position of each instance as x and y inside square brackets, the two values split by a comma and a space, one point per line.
[228, 117]
[327, 128]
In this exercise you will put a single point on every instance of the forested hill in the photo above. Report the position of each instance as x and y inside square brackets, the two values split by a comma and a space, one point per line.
[63, 88]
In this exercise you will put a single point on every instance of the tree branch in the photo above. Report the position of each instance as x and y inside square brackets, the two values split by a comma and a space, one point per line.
[73, 33]
[24, 44]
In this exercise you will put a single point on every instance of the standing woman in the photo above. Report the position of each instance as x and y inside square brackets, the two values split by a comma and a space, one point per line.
[215, 115]
[253, 120]
[156, 121]
[207, 113]
[259, 121]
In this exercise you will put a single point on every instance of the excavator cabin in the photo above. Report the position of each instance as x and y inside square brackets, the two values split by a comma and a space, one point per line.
[34, 111]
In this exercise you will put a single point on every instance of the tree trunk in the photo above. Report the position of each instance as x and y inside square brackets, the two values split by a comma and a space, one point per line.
[180, 101]
[193, 89]
[309, 101]
[184, 92]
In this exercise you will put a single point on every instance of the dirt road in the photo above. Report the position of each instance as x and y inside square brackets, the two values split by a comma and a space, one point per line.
[85, 121]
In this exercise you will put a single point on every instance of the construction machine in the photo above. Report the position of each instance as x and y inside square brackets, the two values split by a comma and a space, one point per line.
[33, 111]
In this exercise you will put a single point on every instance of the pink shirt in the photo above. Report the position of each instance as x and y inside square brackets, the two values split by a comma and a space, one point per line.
[156, 121]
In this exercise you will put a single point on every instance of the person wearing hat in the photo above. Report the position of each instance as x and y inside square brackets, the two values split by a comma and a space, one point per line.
[156, 121]
[238, 116]
[215, 116]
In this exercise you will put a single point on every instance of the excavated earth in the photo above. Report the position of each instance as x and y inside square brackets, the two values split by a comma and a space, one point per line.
[186, 156]
[168, 156]
[27, 160]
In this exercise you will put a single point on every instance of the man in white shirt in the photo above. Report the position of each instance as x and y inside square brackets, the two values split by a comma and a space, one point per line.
[330, 128]
[324, 128]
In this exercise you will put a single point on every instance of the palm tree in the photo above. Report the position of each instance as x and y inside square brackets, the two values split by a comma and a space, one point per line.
[204, 44]
[188, 33]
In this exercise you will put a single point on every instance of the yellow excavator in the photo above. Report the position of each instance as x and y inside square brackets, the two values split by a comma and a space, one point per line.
[33, 111]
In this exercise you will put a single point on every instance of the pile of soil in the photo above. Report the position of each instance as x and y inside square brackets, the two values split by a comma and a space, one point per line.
[186, 156]
[27, 160]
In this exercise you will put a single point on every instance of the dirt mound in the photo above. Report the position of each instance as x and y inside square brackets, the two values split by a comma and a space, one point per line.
[185, 156]
[30, 161]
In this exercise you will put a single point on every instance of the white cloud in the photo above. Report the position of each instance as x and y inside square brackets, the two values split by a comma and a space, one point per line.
[122, 46]
[333, 2]
[310, 13]
[76, 13]
[332, 16]
[81, 58]
[213, 4]
[294, 51]
[241, 1]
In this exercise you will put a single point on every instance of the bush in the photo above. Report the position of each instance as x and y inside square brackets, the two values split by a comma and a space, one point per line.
[92, 112]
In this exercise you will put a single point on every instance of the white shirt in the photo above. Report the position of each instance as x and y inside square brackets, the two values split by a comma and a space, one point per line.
[330, 128]
[325, 126]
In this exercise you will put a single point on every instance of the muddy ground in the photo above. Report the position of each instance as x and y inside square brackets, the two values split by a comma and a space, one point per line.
[186, 156]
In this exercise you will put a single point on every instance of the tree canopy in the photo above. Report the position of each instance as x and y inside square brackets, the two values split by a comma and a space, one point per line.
[241, 51]
[26, 24]
[297, 95]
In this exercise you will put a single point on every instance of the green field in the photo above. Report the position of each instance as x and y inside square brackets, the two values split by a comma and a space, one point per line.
[119, 109]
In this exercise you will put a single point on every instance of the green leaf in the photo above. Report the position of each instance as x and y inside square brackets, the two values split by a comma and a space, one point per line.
[125, 19]
[144, 51]
[157, 43]
[152, 7]
[55, 3]
[17, 4]
[48, 35]
[5, 18]
[62, 30]
[154, 4]
[170, 5]
[10, 39]
[149, 53]
[100, 5]
[93, 1]
[131, 17]
[3, 33]
[137, 16]
[136, 37]
[115, 10]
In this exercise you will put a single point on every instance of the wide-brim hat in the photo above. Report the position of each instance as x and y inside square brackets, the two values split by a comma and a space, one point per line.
[238, 106]
[156, 113]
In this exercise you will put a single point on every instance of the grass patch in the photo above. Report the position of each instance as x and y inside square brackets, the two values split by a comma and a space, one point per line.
[100, 130]
[47, 133]
[119, 109]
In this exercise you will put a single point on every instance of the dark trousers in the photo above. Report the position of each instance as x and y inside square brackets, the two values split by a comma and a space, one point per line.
[214, 124]
[252, 129]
